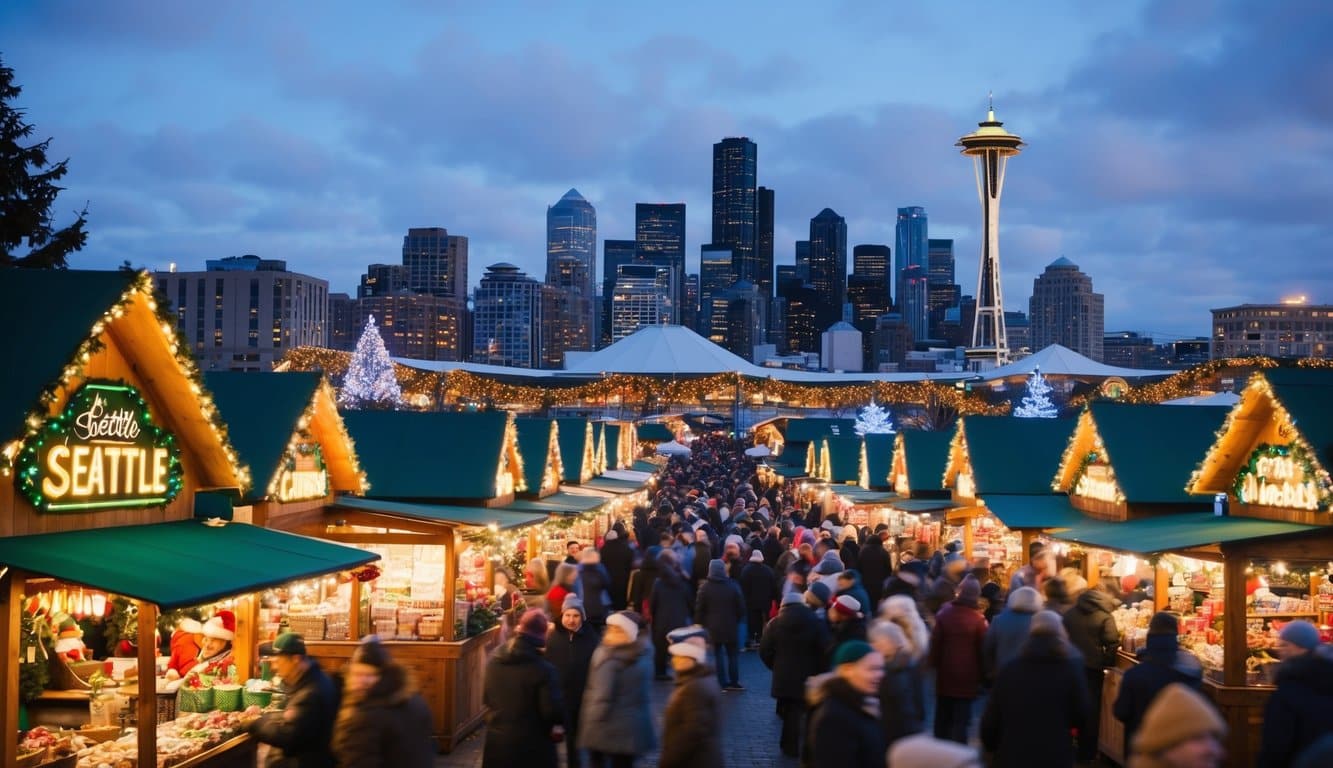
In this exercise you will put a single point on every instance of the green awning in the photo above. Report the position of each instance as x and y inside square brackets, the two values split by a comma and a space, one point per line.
[612, 485]
[180, 563]
[844, 458]
[643, 465]
[1034, 511]
[879, 459]
[858, 495]
[789, 472]
[560, 503]
[918, 506]
[1173, 532]
[442, 513]
[655, 432]
[261, 411]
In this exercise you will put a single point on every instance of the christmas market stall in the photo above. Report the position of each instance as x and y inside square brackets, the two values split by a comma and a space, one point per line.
[539, 445]
[999, 472]
[111, 449]
[621, 447]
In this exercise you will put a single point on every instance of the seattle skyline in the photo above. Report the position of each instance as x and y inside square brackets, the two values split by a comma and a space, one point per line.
[1179, 152]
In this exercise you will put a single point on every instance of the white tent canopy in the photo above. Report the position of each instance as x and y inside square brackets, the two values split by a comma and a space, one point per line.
[1056, 360]
[1227, 399]
[758, 450]
[673, 448]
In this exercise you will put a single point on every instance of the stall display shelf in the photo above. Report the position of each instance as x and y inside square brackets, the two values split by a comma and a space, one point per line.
[1280, 614]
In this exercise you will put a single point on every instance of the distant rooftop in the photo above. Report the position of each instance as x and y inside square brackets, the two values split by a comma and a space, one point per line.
[246, 263]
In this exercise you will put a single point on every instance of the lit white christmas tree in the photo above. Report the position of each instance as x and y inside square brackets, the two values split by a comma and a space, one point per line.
[873, 419]
[370, 383]
[1037, 402]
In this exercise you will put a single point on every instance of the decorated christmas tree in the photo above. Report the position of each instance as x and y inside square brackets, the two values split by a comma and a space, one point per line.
[873, 419]
[370, 383]
[1037, 402]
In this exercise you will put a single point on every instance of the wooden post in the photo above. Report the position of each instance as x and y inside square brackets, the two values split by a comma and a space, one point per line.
[969, 536]
[1028, 536]
[11, 624]
[354, 620]
[247, 635]
[450, 582]
[147, 714]
[1233, 624]
[534, 544]
[1160, 584]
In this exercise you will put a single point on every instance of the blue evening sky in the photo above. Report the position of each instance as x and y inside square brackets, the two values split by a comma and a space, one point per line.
[1180, 152]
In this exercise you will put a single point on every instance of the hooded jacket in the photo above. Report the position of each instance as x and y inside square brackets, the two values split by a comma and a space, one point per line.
[720, 606]
[618, 559]
[1092, 628]
[523, 702]
[794, 645]
[1161, 663]
[692, 724]
[844, 726]
[956, 650]
[616, 717]
[669, 602]
[1039, 697]
[875, 568]
[1006, 635]
[1297, 714]
[388, 725]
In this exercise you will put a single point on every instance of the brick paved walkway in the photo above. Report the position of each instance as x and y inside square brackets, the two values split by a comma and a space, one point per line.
[751, 727]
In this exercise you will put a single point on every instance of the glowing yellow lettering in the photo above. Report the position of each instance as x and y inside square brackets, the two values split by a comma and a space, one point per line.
[145, 480]
[159, 470]
[112, 454]
[79, 469]
[96, 485]
[56, 471]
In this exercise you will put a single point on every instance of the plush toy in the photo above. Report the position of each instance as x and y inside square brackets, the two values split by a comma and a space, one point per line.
[68, 638]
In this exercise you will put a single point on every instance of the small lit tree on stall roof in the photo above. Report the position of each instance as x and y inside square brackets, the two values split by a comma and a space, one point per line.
[873, 419]
[370, 383]
[1037, 402]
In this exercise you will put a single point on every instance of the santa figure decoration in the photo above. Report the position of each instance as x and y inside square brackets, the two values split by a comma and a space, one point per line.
[68, 638]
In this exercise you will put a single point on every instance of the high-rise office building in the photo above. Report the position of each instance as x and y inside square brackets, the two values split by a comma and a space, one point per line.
[872, 261]
[436, 262]
[1064, 310]
[735, 203]
[342, 322]
[507, 318]
[742, 318]
[571, 265]
[763, 248]
[384, 280]
[614, 254]
[689, 315]
[413, 325]
[942, 292]
[803, 260]
[642, 297]
[659, 233]
[715, 276]
[800, 302]
[893, 340]
[1291, 328]
[912, 260]
[243, 312]
[828, 265]
[1129, 349]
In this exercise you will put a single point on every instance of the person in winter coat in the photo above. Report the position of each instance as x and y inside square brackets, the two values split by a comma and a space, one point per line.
[1006, 635]
[849, 583]
[594, 587]
[1093, 632]
[692, 723]
[720, 607]
[521, 694]
[849, 550]
[618, 559]
[758, 588]
[793, 646]
[875, 568]
[903, 611]
[844, 710]
[703, 553]
[668, 607]
[641, 580]
[944, 588]
[383, 721]
[925, 751]
[616, 724]
[846, 621]
[1057, 596]
[1161, 662]
[1297, 714]
[1180, 730]
[956, 653]
[1038, 698]
[569, 647]
[301, 732]
[902, 696]
[566, 582]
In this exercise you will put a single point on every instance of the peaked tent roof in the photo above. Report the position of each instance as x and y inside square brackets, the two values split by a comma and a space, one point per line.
[575, 432]
[414, 455]
[926, 453]
[534, 444]
[1305, 393]
[1015, 455]
[661, 349]
[1057, 360]
[805, 430]
[1155, 447]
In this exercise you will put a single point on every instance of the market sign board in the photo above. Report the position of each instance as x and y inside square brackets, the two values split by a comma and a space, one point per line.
[101, 451]
[303, 476]
[1280, 476]
[1098, 482]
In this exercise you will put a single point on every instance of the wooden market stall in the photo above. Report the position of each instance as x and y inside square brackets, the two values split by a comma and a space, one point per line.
[578, 452]
[917, 467]
[539, 445]
[621, 445]
[879, 460]
[109, 447]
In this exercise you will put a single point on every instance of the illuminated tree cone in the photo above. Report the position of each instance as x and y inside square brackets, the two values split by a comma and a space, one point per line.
[370, 383]
[874, 420]
[1037, 402]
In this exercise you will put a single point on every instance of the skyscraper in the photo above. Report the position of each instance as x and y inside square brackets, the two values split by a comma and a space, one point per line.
[763, 257]
[990, 147]
[614, 254]
[641, 297]
[384, 280]
[803, 260]
[715, 276]
[436, 262]
[868, 293]
[507, 318]
[659, 233]
[1064, 310]
[689, 315]
[941, 290]
[735, 203]
[828, 265]
[910, 269]
[571, 265]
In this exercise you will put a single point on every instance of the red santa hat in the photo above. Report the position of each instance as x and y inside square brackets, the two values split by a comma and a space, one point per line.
[221, 627]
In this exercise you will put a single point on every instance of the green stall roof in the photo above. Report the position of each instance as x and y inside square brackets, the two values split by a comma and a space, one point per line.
[864, 496]
[1165, 533]
[1155, 448]
[643, 465]
[561, 503]
[1015, 455]
[261, 411]
[51, 330]
[180, 563]
[879, 458]
[574, 437]
[1035, 510]
[918, 506]
[844, 459]
[612, 485]
[927, 453]
[534, 445]
[613, 432]
[414, 455]
[805, 430]
[790, 471]
[654, 432]
[1305, 393]
[502, 517]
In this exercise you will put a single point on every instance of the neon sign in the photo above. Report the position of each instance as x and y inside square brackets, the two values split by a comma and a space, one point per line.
[103, 450]
[1280, 476]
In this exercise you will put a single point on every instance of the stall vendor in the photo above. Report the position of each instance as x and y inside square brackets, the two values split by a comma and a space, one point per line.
[215, 657]
[185, 644]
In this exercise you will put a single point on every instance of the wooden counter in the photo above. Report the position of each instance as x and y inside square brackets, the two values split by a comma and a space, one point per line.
[448, 674]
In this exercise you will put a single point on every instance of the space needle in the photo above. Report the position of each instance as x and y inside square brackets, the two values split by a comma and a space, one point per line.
[990, 146]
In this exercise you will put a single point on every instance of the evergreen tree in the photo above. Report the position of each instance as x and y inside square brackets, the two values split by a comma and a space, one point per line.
[27, 191]
[370, 383]
[874, 420]
[1037, 402]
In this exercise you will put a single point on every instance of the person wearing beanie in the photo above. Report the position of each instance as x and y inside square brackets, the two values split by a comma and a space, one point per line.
[849, 583]
[593, 587]
[846, 620]
[1093, 631]
[1039, 697]
[525, 711]
[759, 588]
[1161, 663]
[1297, 714]
[570, 644]
[215, 652]
[845, 726]
[794, 646]
[1009, 630]
[720, 607]
[382, 720]
[925, 751]
[818, 595]
[616, 723]
[1180, 730]
[692, 723]
[902, 696]
[957, 647]
[668, 604]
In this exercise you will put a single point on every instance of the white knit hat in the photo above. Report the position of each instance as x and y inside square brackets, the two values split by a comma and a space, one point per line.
[626, 624]
[689, 650]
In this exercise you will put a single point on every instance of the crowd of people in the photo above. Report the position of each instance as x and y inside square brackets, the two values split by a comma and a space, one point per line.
[881, 649]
